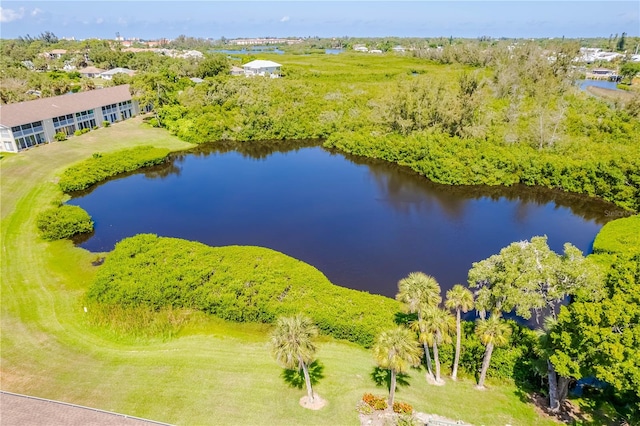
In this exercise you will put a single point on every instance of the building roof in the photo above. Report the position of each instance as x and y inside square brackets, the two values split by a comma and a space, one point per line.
[28, 410]
[40, 109]
[91, 70]
[260, 63]
[119, 70]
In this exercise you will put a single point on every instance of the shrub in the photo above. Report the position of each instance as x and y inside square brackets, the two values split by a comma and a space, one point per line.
[63, 222]
[364, 408]
[407, 420]
[375, 402]
[242, 284]
[95, 127]
[85, 130]
[60, 136]
[402, 408]
[106, 123]
[77, 133]
[102, 166]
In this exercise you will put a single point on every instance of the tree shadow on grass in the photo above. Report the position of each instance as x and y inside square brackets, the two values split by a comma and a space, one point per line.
[295, 377]
[382, 377]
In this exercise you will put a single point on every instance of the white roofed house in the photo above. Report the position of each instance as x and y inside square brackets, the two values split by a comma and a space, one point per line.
[91, 72]
[108, 75]
[262, 68]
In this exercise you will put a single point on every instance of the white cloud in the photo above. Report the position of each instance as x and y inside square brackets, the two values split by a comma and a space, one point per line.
[99, 21]
[8, 15]
[36, 12]
[284, 19]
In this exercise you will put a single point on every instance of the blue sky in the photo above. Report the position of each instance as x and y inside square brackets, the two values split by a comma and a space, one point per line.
[155, 19]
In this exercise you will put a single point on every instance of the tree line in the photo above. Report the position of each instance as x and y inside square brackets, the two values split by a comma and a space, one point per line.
[594, 335]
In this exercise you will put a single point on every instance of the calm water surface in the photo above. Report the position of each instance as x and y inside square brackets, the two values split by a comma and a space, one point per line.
[365, 224]
[583, 84]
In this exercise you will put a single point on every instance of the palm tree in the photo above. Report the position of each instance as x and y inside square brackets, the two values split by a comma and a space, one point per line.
[292, 345]
[492, 332]
[396, 350]
[437, 324]
[460, 299]
[418, 291]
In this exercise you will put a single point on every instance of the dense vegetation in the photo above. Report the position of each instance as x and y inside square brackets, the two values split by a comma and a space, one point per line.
[491, 120]
[102, 166]
[63, 222]
[517, 120]
[245, 284]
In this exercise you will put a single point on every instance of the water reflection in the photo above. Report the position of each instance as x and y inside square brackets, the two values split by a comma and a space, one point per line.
[364, 223]
[405, 188]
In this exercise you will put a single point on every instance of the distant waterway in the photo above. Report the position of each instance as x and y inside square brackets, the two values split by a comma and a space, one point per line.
[254, 50]
[364, 223]
[583, 84]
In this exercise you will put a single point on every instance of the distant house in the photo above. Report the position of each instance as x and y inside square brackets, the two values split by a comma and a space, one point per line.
[360, 49]
[375, 51]
[398, 49]
[55, 53]
[91, 72]
[196, 80]
[31, 123]
[602, 71]
[262, 68]
[236, 71]
[108, 75]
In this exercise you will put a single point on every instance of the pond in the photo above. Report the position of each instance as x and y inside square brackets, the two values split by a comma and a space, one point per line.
[583, 84]
[365, 224]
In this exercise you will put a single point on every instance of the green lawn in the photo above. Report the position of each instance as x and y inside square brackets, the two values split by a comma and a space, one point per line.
[214, 373]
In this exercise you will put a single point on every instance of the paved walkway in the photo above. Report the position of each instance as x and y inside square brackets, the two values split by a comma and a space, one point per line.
[21, 410]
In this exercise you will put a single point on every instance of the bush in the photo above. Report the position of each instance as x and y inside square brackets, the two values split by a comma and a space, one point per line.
[102, 166]
[60, 136]
[63, 222]
[364, 408]
[95, 127]
[621, 236]
[85, 130]
[106, 123]
[375, 402]
[242, 284]
[402, 408]
[77, 133]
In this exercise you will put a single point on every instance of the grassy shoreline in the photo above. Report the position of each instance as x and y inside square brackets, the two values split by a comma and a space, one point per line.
[214, 373]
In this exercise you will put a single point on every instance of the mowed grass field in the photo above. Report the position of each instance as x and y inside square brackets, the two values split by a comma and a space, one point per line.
[213, 373]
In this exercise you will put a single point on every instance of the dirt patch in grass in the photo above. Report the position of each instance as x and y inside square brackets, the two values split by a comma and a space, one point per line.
[316, 404]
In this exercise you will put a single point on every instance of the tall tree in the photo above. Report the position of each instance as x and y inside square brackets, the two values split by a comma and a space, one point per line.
[558, 384]
[293, 347]
[492, 332]
[459, 299]
[396, 350]
[528, 276]
[601, 336]
[417, 292]
[621, 43]
[437, 325]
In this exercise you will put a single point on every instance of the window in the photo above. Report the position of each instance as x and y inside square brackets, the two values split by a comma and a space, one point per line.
[30, 134]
